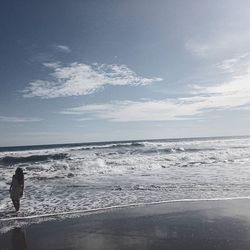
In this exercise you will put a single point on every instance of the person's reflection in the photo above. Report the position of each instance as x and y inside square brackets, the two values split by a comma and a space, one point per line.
[18, 239]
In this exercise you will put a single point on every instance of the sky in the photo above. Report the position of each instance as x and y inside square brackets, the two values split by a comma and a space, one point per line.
[103, 70]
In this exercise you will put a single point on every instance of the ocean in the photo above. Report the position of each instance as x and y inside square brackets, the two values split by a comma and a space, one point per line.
[70, 178]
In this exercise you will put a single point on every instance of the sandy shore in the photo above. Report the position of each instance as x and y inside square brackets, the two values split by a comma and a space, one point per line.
[179, 225]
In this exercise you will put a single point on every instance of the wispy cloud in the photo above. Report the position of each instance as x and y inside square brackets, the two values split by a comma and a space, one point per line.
[82, 79]
[124, 111]
[231, 94]
[13, 119]
[62, 48]
[235, 65]
[163, 110]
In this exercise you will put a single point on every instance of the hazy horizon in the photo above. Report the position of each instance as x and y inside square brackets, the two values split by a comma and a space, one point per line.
[130, 140]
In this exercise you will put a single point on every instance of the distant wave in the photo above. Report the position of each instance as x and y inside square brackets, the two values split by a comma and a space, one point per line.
[113, 145]
[196, 149]
[170, 150]
[11, 160]
[142, 148]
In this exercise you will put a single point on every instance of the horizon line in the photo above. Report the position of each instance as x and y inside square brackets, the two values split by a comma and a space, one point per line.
[115, 141]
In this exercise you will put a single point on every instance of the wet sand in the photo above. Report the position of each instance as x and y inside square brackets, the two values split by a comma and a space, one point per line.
[223, 225]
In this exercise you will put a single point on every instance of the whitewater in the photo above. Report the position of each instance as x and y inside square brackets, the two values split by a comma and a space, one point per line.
[63, 179]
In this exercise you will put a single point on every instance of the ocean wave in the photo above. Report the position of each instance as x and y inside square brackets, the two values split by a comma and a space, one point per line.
[170, 150]
[11, 160]
[113, 145]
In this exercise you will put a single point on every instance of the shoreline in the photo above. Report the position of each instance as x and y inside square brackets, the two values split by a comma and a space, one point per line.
[133, 205]
[220, 224]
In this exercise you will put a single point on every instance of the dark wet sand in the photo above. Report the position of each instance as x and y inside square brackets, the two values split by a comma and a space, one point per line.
[223, 225]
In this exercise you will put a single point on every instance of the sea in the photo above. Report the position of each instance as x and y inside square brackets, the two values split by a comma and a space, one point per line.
[68, 179]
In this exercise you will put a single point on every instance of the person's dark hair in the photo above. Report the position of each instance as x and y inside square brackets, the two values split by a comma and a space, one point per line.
[19, 175]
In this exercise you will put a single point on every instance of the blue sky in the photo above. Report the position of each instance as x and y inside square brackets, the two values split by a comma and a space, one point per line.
[86, 70]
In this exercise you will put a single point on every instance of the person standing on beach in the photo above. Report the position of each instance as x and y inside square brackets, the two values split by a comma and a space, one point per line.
[16, 188]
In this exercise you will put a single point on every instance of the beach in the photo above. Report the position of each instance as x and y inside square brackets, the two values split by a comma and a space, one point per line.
[221, 224]
[125, 125]
[65, 178]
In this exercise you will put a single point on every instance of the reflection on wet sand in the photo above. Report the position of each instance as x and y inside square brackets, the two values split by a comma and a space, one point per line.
[18, 239]
[216, 225]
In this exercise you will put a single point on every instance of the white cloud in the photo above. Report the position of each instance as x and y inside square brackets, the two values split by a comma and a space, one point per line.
[13, 119]
[83, 79]
[231, 94]
[52, 65]
[161, 110]
[62, 48]
[123, 111]
[236, 65]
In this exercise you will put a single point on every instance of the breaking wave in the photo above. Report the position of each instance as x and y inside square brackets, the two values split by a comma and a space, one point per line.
[11, 160]
[114, 145]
